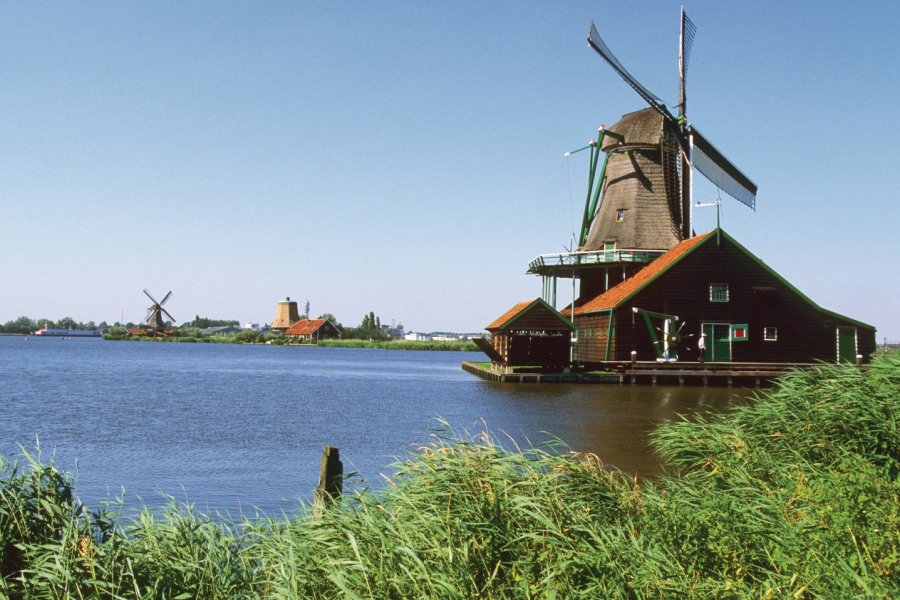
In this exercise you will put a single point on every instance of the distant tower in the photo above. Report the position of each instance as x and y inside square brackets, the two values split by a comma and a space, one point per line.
[286, 314]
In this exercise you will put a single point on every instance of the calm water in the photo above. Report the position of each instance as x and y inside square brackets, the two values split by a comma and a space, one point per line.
[231, 427]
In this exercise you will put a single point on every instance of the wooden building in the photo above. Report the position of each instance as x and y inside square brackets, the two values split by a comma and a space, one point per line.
[710, 284]
[531, 333]
[313, 330]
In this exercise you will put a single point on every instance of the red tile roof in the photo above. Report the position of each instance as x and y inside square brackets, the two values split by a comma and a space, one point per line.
[617, 294]
[511, 314]
[305, 327]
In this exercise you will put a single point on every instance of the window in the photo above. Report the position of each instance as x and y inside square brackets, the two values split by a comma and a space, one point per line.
[740, 332]
[718, 292]
[770, 334]
[620, 215]
[609, 246]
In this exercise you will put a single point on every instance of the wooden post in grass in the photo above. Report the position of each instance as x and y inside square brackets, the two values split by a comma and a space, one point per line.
[331, 478]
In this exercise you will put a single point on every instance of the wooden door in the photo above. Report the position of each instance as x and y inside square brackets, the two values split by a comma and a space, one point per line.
[846, 344]
[718, 342]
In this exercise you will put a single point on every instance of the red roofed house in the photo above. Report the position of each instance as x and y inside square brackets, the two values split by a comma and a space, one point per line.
[312, 330]
[531, 333]
[711, 285]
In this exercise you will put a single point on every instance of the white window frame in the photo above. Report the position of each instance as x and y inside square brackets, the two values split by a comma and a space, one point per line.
[770, 334]
[720, 286]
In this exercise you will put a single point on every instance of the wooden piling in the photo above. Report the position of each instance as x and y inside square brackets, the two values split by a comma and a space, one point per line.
[331, 478]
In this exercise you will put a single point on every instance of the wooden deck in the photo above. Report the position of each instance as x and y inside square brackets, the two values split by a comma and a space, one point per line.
[503, 377]
[652, 372]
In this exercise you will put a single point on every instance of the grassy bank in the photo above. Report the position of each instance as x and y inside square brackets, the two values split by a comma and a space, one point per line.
[795, 495]
[459, 346]
[280, 340]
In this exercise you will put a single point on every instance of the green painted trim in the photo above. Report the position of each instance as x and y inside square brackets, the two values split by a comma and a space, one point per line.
[721, 232]
[610, 331]
[657, 347]
[589, 203]
[666, 269]
[787, 284]
[743, 326]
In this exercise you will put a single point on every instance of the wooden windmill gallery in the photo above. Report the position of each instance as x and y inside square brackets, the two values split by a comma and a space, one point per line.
[648, 288]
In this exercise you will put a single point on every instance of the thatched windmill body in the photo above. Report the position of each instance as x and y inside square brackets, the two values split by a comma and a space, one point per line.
[638, 202]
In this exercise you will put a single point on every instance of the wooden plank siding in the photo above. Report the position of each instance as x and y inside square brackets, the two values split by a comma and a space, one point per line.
[592, 337]
[756, 297]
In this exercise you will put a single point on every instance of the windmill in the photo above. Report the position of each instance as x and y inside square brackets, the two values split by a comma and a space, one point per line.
[638, 204]
[645, 178]
[154, 321]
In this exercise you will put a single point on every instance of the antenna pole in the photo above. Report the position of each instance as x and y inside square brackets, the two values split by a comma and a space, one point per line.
[686, 210]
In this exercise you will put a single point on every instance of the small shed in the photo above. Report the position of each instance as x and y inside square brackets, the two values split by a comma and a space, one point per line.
[531, 333]
[312, 330]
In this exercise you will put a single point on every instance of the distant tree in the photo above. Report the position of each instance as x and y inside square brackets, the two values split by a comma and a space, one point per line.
[23, 325]
[204, 322]
[306, 310]
[247, 336]
[329, 317]
[369, 329]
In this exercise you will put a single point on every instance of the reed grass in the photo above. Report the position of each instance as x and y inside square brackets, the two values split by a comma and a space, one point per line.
[793, 495]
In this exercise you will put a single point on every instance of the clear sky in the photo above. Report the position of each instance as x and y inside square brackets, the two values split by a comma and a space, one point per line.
[407, 157]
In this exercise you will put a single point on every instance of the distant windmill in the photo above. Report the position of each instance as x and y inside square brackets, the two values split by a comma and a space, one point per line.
[645, 179]
[155, 313]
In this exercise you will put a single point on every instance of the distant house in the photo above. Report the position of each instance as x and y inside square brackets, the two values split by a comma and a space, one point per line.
[531, 333]
[312, 330]
[414, 336]
[395, 331]
[711, 285]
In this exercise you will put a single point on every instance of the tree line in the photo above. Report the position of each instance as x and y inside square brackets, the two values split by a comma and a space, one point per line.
[26, 325]
[369, 329]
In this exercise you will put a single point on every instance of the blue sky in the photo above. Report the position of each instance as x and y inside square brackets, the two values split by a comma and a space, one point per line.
[407, 157]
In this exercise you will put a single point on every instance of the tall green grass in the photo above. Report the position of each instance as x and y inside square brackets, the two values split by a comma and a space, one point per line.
[793, 495]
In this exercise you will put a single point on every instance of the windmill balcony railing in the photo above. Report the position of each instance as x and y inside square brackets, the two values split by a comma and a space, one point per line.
[565, 260]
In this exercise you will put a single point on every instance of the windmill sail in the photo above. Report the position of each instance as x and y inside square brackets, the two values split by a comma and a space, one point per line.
[597, 43]
[719, 170]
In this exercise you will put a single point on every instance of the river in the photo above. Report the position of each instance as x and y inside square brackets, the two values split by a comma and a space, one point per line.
[236, 428]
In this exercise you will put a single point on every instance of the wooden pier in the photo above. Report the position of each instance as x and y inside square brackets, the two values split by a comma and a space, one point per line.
[536, 377]
[650, 372]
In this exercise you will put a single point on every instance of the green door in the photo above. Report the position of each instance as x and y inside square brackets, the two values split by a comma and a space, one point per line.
[718, 342]
[846, 344]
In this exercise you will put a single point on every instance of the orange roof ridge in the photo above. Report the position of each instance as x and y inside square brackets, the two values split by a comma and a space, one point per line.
[304, 327]
[510, 314]
[619, 293]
